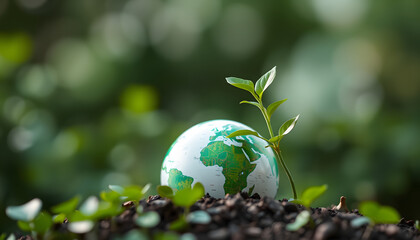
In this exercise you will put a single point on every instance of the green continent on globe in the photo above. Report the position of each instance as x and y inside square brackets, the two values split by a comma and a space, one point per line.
[179, 181]
[235, 161]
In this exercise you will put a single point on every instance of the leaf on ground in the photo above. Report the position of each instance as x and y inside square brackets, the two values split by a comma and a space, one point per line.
[26, 212]
[148, 219]
[116, 188]
[80, 227]
[24, 226]
[179, 225]
[301, 220]
[359, 222]
[67, 206]
[89, 206]
[311, 194]
[199, 217]
[165, 191]
[42, 223]
[134, 235]
[188, 196]
[379, 213]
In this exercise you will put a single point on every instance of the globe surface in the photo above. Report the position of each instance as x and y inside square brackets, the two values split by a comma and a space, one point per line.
[223, 165]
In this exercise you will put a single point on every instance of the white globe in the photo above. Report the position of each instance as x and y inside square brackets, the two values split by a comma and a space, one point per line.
[223, 165]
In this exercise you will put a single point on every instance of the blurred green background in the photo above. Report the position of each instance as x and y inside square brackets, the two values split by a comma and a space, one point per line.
[94, 92]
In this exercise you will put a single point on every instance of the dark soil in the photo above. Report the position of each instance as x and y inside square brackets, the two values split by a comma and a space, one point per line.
[242, 217]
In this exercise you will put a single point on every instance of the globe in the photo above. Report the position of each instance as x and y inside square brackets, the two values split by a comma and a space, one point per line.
[223, 165]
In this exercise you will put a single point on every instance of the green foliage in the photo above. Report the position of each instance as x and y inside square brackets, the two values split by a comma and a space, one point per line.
[301, 220]
[311, 194]
[67, 206]
[186, 198]
[199, 217]
[148, 219]
[42, 223]
[360, 221]
[418, 225]
[378, 213]
[165, 191]
[274, 140]
[30, 218]
[265, 81]
[26, 212]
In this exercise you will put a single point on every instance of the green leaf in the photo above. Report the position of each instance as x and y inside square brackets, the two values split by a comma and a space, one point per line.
[3, 236]
[179, 225]
[288, 126]
[418, 224]
[165, 236]
[43, 222]
[275, 139]
[198, 190]
[80, 227]
[26, 212]
[265, 81]
[251, 189]
[110, 196]
[67, 206]
[148, 219]
[24, 226]
[165, 191]
[59, 218]
[252, 103]
[360, 221]
[106, 209]
[379, 213]
[199, 217]
[301, 220]
[11, 237]
[134, 235]
[146, 188]
[116, 188]
[188, 196]
[242, 133]
[241, 83]
[310, 194]
[90, 206]
[272, 108]
[187, 236]
[133, 193]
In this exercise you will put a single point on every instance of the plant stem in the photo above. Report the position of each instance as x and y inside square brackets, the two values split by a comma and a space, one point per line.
[283, 164]
[276, 146]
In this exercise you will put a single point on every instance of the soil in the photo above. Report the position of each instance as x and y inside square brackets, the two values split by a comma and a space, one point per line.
[242, 217]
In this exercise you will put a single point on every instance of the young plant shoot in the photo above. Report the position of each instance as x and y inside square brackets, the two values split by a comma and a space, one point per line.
[257, 92]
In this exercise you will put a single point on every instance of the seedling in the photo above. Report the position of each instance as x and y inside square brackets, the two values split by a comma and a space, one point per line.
[374, 213]
[257, 92]
[308, 196]
[186, 198]
[30, 217]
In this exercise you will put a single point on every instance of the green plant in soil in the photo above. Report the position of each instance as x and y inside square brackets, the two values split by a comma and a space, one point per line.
[374, 213]
[308, 196]
[39, 223]
[185, 198]
[274, 140]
